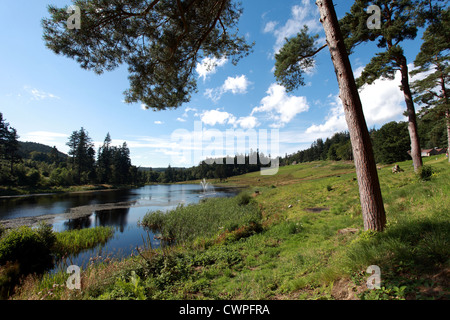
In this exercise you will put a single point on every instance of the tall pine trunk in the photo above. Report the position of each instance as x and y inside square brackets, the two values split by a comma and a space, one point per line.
[416, 153]
[447, 115]
[447, 111]
[371, 199]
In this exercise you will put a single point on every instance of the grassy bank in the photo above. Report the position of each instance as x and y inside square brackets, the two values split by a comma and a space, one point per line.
[309, 242]
[21, 191]
[25, 251]
[211, 219]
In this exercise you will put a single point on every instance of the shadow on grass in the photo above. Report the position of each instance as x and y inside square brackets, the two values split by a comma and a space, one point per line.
[420, 245]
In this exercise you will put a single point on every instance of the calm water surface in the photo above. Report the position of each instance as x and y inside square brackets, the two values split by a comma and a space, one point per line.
[119, 209]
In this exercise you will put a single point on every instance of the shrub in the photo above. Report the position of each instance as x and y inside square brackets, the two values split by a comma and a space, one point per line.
[243, 199]
[154, 220]
[133, 289]
[62, 177]
[425, 173]
[30, 248]
[33, 178]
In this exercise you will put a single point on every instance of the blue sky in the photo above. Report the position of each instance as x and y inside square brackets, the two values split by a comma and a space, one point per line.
[46, 97]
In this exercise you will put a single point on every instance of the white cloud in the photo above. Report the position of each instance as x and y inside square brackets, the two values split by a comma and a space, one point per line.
[181, 120]
[213, 117]
[209, 66]
[40, 95]
[187, 110]
[304, 14]
[45, 135]
[159, 122]
[235, 85]
[382, 102]
[249, 122]
[335, 121]
[213, 94]
[270, 26]
[281, 107]
[357, 73]
[48, 138]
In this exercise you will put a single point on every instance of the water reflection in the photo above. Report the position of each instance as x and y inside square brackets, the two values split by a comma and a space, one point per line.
[79, 223]
[115, 217]
[119, 209]
[36, 205]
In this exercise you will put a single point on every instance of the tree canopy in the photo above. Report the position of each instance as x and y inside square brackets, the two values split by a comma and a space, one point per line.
[398, 23]
[161, 41]
[434, 60]
[82, 152]
[431, 91]
[295, 57]
[9, 144]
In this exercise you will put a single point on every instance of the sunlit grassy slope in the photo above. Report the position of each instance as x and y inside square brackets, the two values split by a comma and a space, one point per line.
[320, 199]
[310, 243]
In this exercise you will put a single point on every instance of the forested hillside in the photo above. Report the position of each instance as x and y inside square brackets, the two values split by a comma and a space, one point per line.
[390, 143]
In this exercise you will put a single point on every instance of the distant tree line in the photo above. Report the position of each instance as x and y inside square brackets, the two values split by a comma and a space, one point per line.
[35, 165]
[390, 143]
[38, 166]
[212, 168]
[338, 147]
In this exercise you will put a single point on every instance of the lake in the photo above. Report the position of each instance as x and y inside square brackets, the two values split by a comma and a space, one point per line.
[120, 209]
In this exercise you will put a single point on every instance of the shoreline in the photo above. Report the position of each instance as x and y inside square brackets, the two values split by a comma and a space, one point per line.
[75, 212]
[69, 191]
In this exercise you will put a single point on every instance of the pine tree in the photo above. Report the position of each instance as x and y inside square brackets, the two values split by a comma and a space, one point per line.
[296, 56]
[161, 41]
[432, 92]
[120, 164]
[9, 143]
[11, 148]
[391, 143]
[54, 155]
[82, 152]
[4, 126]
[399, 22]
[291, 62]
[104, 161]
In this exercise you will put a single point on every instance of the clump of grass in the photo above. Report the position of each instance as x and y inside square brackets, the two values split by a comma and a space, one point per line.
[75, 241]
[421, 244]
[243, 198]
[206, 219]
[425, 173]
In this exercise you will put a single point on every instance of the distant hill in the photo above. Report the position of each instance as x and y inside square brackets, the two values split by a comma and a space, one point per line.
[27, 148]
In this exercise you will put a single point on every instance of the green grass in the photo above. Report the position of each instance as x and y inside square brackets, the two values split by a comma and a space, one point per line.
[25, 251]
[297, 253]
[211, 217]
[75, 241]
